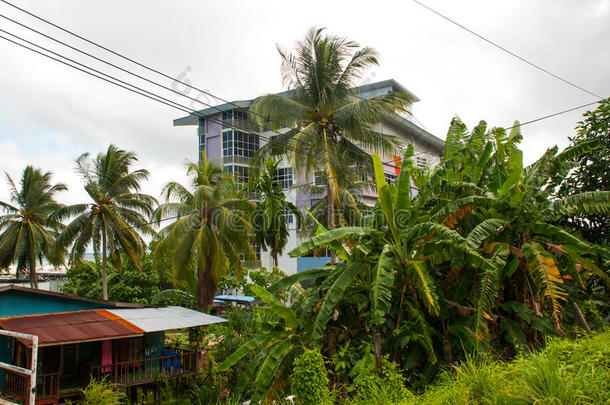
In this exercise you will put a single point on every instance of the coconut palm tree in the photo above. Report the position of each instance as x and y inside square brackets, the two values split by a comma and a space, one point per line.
[331, 127]
[269, 216]
[211, 233]
[117, 214]
[349, 213]
[31, 222]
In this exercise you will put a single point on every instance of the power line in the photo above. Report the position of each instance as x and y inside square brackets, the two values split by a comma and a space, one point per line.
[138, 64]
[552, 115]
[188, 109]
[183, 107]
[532, 64]
[127, 86]
[156, 97]
[142, 91]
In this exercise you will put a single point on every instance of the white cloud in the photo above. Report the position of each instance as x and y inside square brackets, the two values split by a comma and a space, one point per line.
[50, 114]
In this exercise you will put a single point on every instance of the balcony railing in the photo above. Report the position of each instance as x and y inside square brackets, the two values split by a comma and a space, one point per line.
[242, 124]
[16, 386]
[175, 363]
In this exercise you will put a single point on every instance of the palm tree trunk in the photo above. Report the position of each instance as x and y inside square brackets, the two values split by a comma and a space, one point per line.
[104, 281]
[33, 278]
[330, 192]
[206, 285]
[580, 318]
[273, 249]
[377, 346]
[274, 257]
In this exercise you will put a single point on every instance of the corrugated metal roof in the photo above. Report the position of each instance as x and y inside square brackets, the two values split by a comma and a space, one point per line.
[72, 326]
[167, 318]
[236, 298]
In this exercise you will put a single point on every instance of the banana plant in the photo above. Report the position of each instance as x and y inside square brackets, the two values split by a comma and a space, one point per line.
[282, 340]
[384, 270]
[506, 212]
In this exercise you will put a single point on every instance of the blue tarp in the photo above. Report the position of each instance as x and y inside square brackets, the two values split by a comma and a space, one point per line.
[235, 298]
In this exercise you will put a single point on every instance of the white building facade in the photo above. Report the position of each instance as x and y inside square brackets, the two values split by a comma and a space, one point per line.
[227, 136]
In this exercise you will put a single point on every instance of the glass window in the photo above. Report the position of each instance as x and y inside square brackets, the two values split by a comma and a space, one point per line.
[289, 217]
[201, 135]
[319, 179]
[390, 178]
[284, 176]
[239, 172]
[421, 162]
[238, 143]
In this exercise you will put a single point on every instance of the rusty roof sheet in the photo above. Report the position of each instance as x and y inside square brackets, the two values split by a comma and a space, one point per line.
[72, 326]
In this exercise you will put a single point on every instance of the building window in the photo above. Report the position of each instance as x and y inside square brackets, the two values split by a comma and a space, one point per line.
[284, 176]
[390, 178]
[319, 179]
[235, 118]
[239, 172]
[422, 162]
[201, 135]
[238, 143]
[231, 115]
[257, 252]
[289, 217]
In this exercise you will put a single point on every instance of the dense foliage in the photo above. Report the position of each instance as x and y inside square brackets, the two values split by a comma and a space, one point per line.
[126, 282]
[591, 173]
[474, 263]
[31, 223]
[310, 380]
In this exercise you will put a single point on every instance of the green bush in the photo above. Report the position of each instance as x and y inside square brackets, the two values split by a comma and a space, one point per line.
[101, 393]
[387, 388]
[309, 379]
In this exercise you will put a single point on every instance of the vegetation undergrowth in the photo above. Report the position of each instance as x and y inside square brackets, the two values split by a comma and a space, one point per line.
[565, 372]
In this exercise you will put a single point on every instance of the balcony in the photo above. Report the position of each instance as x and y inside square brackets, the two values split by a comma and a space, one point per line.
[50, 388]
[241, 124]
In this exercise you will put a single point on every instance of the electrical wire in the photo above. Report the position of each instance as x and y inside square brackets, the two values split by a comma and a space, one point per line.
[171, 103]
[532, 64]
[141, 91]
[282, 124]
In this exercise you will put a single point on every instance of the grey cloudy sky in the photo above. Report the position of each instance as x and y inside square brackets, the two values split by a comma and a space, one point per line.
[49, 114]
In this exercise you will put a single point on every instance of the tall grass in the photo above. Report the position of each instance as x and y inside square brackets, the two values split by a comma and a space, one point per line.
[566, 372]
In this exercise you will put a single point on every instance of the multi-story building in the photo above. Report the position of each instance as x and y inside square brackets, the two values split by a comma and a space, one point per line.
[227, 135]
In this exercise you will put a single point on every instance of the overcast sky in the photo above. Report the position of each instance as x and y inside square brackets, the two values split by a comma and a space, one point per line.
[50, 114]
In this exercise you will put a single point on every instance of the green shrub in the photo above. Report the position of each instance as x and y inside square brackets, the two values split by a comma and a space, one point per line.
[389, 388]
[310, 380]
[102, 393]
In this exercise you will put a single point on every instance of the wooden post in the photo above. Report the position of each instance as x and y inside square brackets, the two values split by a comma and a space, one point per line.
[31, 373]
[32, 393]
